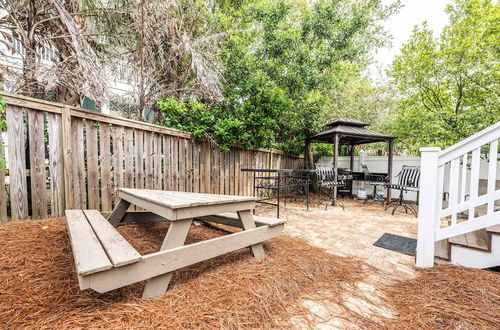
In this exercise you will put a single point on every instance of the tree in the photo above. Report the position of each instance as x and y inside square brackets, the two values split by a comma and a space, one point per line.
[282, 59]
[47, 30]
[173, 52]
[449, 87]
[162, 48]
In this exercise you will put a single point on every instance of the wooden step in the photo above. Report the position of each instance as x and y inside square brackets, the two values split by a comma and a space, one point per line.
[442, 249]
[475, 240]
[494, 230]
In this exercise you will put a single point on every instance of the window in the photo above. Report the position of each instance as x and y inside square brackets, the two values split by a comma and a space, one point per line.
[18, 47]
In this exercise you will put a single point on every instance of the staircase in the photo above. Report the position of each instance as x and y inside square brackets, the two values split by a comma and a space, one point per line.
[464, 228]
[477, 249]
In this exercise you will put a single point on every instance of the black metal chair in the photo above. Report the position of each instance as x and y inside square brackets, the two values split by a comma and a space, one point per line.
[376, 180]
[408, 180]
[326, 178]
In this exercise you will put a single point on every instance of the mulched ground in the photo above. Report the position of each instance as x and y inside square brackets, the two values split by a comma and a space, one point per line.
[447, 297]
[39, 289]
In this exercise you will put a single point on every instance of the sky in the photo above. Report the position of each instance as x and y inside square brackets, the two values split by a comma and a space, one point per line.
[401, 24]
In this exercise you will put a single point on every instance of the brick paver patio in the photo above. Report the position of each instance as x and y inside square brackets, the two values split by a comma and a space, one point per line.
[351, 232]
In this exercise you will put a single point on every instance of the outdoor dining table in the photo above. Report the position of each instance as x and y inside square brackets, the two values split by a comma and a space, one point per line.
[127, 266]
[271, 184]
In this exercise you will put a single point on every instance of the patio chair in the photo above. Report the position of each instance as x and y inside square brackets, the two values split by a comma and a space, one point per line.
[326, 178]
[408, 180]
[376, 180]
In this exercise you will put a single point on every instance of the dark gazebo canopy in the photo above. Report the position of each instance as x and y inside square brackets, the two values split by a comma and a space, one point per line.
[351, 132]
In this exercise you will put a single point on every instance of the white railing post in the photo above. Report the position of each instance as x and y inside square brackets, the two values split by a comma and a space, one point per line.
[428, 201]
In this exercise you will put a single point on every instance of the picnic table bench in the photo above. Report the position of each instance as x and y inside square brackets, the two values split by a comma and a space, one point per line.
[105, 261]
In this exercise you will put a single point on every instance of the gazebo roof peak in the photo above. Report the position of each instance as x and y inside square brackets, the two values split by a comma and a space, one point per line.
[347, 122]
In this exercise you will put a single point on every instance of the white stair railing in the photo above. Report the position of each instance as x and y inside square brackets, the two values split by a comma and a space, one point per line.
[456, 172]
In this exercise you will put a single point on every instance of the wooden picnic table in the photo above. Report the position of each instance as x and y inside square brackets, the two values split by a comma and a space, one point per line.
[126, 266]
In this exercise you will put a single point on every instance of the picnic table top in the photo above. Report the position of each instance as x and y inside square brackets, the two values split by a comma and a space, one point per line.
[177, 199]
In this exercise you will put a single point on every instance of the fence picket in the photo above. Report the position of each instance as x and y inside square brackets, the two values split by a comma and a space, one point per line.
[3, 191]
[55, 165]
[182, 165]
[175, 163]
[148, 160]
[139, 159]
[129, 158]
[93, 165]
[17, 166]
[157, 174]
[189, 165]
[167, 183]
[117, 160]
[105, 168]
[196, 166]
[76, 150]
[37, 164]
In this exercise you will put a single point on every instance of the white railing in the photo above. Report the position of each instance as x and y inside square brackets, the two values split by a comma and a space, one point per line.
[466, 208]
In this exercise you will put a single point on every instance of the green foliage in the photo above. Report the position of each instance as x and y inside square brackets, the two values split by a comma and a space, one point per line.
[283, 58]
[188, 116]
[449, 87]
[321, 150]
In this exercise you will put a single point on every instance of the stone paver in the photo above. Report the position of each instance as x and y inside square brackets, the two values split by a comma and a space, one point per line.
[351, 232]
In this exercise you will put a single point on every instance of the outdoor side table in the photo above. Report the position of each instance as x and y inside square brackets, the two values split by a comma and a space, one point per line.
[126, 266]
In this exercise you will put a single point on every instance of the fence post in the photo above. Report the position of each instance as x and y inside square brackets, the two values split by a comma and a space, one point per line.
[67, 158]
[427, 203]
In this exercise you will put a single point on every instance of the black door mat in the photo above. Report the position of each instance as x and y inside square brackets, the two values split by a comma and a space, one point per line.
[397, 243]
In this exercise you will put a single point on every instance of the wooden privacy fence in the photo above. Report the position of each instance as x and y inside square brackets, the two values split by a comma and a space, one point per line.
[61, 157]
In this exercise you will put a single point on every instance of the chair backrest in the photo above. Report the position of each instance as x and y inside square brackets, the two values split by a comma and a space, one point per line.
[326, 173]
[366, 171]
[409, 176]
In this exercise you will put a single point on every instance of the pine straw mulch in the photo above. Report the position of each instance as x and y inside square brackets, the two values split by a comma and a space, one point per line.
[446, 296]
[38, 287]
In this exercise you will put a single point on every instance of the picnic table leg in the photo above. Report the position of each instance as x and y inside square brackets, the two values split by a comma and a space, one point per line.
[176, 236]
[246, 219]
[118, 212]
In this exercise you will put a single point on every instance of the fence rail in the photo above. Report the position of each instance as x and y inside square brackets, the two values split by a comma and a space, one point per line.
[467, 208]
[64, 157]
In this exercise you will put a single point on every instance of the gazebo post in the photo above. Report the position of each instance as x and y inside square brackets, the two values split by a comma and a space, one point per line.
[389, 168]
[351, 165]
[306, 153]
[335, 162]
